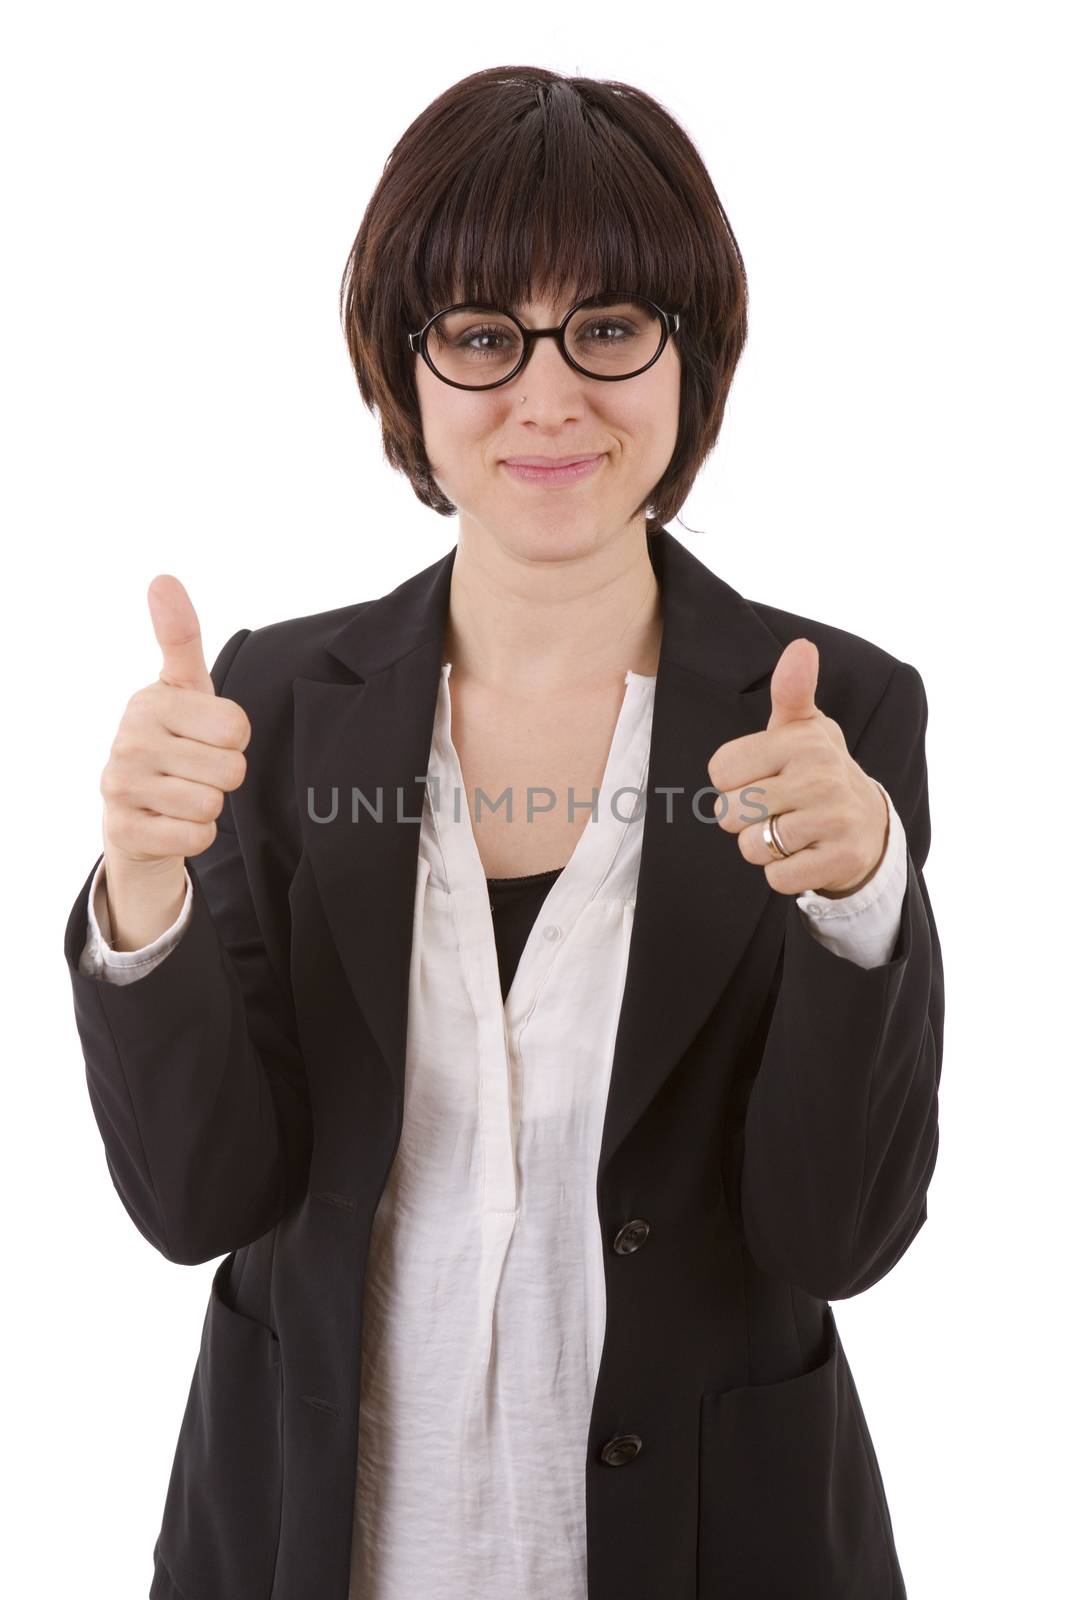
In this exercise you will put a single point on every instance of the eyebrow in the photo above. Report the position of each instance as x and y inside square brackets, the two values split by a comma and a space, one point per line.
[525, 306]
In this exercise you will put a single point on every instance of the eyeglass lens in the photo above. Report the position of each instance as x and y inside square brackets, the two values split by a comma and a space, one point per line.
[479, 345]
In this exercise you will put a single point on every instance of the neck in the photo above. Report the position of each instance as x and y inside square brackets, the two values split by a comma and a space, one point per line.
[552, 627]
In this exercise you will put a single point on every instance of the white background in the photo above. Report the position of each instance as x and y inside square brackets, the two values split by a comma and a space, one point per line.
[180, 189]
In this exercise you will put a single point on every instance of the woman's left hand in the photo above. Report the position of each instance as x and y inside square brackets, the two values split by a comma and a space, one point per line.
[832, 817]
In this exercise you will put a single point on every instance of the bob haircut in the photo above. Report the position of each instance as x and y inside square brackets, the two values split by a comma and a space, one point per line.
[519, 177]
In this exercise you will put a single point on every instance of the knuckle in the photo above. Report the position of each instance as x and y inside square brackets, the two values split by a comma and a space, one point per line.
[199, 837]
[237, 728]
[129, 753]
[236, 771]
[144, 703]
[201, 803]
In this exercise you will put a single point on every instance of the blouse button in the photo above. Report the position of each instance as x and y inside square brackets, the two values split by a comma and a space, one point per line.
[552, 931]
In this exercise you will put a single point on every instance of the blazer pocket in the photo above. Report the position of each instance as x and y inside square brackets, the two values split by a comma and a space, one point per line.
[221, 1521]
[789, 1505]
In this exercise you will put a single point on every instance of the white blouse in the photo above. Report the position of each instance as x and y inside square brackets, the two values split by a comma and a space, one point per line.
[485, 1298]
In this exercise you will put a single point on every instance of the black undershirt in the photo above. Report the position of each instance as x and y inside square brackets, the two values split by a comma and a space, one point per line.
[515, 904]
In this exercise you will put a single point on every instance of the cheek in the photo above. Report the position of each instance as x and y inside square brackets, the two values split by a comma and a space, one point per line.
[460, 441]
[664, 417]
[649, 406]
[452, 422]
[650, 418]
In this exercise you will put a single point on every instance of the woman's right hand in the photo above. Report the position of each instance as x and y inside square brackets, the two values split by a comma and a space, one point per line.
[178, 751]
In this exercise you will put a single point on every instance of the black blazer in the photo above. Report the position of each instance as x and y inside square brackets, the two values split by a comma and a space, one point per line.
[769, 1137]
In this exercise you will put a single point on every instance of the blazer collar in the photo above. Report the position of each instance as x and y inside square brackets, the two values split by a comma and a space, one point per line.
[698, 900]
[707, 626]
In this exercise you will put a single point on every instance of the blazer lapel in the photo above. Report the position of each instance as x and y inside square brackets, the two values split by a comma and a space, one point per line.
[372, 738]
[698, 900]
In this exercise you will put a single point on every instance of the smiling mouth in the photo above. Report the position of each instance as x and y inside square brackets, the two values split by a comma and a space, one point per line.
[571, 472]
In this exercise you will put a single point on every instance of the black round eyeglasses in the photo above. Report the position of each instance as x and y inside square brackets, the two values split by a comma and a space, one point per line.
[609, 336]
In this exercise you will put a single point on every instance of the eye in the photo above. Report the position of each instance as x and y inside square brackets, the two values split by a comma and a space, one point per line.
[611, 325]
[479, 338]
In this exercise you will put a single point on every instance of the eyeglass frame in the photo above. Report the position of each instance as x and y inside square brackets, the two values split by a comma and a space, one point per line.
[670, 321]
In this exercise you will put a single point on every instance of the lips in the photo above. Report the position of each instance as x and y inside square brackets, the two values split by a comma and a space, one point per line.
[550, 461]
[556, 473]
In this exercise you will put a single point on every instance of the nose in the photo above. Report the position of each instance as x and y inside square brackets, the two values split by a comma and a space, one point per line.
[545, 358]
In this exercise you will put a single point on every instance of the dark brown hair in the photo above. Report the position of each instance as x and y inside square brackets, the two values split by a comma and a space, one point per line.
[519, 178]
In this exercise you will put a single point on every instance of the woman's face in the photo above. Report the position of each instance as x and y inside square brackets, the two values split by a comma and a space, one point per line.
[468, 436]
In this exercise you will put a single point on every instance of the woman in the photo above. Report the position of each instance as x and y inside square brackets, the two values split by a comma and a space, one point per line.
[536, 1138]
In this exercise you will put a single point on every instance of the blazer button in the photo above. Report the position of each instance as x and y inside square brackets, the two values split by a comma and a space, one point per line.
[631, 1237]
[618, 1451]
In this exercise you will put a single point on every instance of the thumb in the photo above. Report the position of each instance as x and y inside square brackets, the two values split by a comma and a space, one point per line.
[177, 631]
[793, 683]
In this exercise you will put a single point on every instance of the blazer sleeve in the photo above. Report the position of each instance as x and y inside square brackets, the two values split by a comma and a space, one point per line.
[841, 1124]
[194, 1072]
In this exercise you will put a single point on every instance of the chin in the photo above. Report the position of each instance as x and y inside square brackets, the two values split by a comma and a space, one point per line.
[553, 536]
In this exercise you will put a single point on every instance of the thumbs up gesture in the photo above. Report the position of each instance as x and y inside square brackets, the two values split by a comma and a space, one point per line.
[832, 819]
[178, 750]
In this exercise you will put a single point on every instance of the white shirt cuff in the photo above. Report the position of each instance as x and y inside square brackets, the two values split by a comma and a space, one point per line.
[99, 960]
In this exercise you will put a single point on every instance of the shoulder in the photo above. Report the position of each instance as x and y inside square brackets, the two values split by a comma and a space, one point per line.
[856, 675]
[258, 665]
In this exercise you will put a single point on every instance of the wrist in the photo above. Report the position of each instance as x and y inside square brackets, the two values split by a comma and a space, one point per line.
[840, 893]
